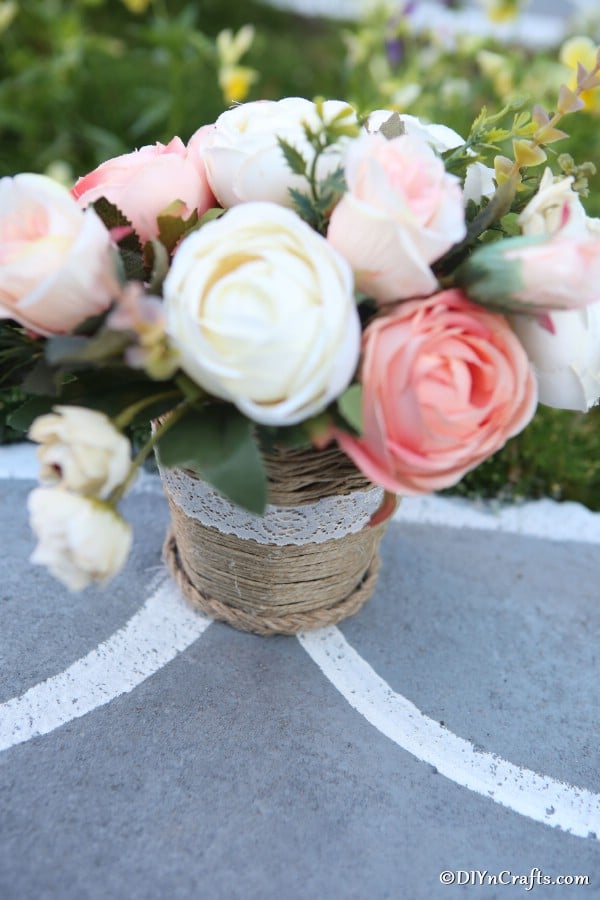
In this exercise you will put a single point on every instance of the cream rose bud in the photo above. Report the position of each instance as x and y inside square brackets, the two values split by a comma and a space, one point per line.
[244, 160]
[57, 262]
[567, 361]
[80, 540]
[479, 180]
[81, 450]
[261, 310]
[402, 211]
[554, 204]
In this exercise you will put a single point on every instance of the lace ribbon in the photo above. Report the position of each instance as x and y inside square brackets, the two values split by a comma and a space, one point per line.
[327, 519]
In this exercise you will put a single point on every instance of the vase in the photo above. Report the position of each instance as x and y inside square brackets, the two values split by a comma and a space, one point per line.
[310, 561]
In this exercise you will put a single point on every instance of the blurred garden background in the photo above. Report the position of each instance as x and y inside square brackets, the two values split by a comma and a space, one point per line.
[85, 80]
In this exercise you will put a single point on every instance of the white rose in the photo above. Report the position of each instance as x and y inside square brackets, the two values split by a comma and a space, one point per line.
[479, 180]
[80, 540]
[261, 310]
[554, 206]
[243, 159]
[81, 449]
[567, 362]
[58, 265]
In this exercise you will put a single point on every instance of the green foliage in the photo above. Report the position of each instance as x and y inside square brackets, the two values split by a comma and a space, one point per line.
[294, 159]
[350, 407]
[219, 443]
[82, 82]
[558, 455]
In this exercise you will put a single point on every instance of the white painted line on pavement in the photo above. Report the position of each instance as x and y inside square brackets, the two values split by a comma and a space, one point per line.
[164, 626]
[572, 809]
[536, 518]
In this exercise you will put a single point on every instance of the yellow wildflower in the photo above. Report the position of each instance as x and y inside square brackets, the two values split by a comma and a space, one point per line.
[231, 47]
[235, 82]
[502, 10]
[582, 50]
[137, 6]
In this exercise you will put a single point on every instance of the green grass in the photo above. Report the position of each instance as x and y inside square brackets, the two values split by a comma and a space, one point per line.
[81, 83]
[558, 456]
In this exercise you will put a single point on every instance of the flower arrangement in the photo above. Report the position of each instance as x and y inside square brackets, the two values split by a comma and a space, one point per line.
[295, 275]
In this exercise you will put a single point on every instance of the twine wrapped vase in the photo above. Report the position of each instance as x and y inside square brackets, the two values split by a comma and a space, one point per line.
[310, 561]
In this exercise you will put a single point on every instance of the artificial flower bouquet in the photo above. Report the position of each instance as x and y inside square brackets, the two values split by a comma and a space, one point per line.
[296, 275]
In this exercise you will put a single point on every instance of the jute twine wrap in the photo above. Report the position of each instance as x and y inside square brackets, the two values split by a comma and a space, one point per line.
[279, 589]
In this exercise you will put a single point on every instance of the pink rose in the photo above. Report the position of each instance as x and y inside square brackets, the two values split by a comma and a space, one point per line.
[535, 274]
[401, 213]
[560, 273]
[144, 183]
[445, 383]
[57, 262]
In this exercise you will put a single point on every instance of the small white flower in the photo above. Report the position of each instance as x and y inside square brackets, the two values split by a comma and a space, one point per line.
[554, 202]
[81, 450]
[80, 540]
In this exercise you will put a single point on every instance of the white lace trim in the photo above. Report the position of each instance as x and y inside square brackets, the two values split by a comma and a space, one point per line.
[329, 518]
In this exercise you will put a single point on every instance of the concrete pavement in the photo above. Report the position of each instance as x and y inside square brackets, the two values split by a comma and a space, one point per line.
[451, 726]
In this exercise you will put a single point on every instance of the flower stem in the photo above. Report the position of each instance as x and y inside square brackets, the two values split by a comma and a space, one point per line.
[167, 423]
[553, 121]
[127, 415]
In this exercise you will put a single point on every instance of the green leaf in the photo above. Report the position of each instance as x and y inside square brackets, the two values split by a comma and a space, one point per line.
[110, 214]
[220, 445]
[157, 261]
[510, 224]
[350, 406]
[42, 379]
[331, 188]
[172, 228]
[110, 391]
[293, 158]
[130, 248]
[304, 207]
[133, 265]
[22, 418]
[292, 436]
[211, 214]
[106, 345]
[393, 127]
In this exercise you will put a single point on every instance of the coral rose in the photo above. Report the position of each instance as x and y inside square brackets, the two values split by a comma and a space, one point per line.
[144, 183]
[401, 213]
[445, 383]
